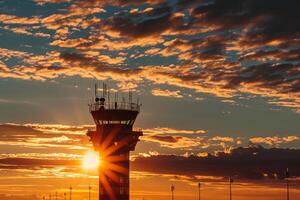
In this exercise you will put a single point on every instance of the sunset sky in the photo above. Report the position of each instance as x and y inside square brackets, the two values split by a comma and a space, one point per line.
[219, 83]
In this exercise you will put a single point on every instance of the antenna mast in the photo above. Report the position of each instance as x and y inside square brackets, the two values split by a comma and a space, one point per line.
[96, 90]
[130, 97]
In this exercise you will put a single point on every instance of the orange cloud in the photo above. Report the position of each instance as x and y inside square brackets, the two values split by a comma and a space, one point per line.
[166, 93]
[273, 140]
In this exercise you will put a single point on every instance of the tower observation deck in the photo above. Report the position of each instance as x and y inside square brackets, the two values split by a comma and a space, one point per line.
[114, 138]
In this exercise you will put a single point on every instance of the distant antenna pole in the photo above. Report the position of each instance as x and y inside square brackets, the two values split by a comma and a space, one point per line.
[108, 95]
[116, 100]
[172, 191]
[230, 187]
[96, 90]
[123, 102]
[287, 176]
[71, 192]
[104, 92]
[199, 190]
[130, 97]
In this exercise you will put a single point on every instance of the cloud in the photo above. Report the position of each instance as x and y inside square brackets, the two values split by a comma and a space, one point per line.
[147, 27]
[254, 163]
[6, 72]
[43, 2]
[222, 139]
[43, 136]
[209, 43]
[166, 93]
[26, 31]
[13, 19]
[35, 162]
[262, 22]
[166, 130]
[9, 53]
[172, 141]
[273, 140]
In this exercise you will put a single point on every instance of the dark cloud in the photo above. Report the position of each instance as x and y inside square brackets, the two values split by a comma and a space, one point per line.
[167, 138]
[263, 55]
[242, 163]
[32, 135]
[270, 19]
[12, 132]
[119, 2]
[267, 75]
[32, 162]
[152, 23]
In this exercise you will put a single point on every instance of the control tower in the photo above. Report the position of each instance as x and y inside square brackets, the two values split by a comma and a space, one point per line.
[114, 138]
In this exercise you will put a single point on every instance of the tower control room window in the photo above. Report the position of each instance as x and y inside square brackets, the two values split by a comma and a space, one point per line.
[114, 122]
[125, 122]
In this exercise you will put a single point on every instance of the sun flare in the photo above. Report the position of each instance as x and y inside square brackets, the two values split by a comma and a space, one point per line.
[91, 160]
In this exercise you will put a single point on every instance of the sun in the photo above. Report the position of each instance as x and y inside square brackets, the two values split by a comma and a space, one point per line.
[91, 160]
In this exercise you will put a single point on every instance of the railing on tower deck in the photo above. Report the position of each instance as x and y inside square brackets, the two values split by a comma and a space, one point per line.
[114, 106]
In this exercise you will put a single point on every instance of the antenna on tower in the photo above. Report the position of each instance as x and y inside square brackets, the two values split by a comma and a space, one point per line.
[103, 86]
[130, 97]
[96, 90]
[108, 95]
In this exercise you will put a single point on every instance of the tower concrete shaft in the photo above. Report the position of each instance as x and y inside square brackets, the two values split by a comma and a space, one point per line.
[114, 138]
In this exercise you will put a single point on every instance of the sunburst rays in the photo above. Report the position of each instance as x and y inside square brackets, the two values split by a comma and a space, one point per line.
[114, 163]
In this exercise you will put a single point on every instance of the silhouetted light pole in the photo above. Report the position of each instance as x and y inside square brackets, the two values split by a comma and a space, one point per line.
[65, 195]
[199, 190]
[172, 191]
[71, 192]
[230, 187]
[90, 192]
[287, 176]
[55, 195]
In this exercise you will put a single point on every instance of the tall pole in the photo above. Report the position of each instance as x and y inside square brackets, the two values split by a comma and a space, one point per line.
[172, 191]
[287, 175]
[55, 195]
[65, 195]
[50, 196]
[199, 190]
[90, 192]
[70, 192]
